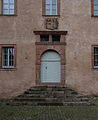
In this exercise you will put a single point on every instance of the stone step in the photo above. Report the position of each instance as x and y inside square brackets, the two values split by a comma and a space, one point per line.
[50, 95]
[39, 99]
[49, 88]
[44, 92]
[43, 95]
[52, 103]
[36, 103]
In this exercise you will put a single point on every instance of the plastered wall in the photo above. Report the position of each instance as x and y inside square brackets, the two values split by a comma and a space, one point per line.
[75, 17]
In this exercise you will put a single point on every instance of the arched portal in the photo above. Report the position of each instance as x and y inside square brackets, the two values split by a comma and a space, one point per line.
[50, 69]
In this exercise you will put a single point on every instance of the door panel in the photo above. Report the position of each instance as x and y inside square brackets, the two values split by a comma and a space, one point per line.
[43, 71]
[50, 71]
[53, 72]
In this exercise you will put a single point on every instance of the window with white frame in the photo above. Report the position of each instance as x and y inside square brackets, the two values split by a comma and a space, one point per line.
[95, 3]
[95, 57]
[50, 7]
[7, 57]
[8, 7]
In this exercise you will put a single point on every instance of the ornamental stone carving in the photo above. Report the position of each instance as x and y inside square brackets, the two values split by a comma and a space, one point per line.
[51, 23]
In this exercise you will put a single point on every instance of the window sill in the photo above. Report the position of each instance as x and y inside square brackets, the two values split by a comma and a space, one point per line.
[7, 15]
[51, 15]
[8, 69]
[94, 16]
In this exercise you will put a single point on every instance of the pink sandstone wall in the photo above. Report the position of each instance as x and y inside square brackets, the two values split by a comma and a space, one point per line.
[75, 17]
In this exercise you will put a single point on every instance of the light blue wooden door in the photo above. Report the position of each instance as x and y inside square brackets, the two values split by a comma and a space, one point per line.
[50, 67]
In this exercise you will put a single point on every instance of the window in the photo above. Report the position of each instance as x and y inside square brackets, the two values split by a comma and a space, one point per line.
[51, 7]
[8, 7]
[55, 38]
[44, 38]
[95, 7]
[7, 57]
[95, 57]
[50, 38]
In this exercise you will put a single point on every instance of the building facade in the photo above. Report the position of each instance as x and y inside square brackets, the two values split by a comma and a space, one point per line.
[48, 42]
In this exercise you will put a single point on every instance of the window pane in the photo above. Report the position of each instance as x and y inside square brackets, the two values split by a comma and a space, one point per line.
[11, 57]
[95, 1]
[5, 1]
[95, 63]
[5, 7]
[5, 57]
[53, 1]
[54, 12]
[95, 7]
[5, 12]
[8, 7]
[8, 57]
[95, 57]
[44, 38]
[47, 12]
[47, 6]
[95, 51]
[53, 6]
[47, 1]
[11, 1]
[95, 13]
[11, 11]
[56, 38]
[11, 6]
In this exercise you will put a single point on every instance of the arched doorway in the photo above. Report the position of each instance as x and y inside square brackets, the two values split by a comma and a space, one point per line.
[50, 69]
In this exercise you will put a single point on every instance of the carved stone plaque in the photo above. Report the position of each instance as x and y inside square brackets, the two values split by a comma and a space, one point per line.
[51, 23]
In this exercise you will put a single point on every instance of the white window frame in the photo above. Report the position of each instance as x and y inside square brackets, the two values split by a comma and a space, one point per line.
[51, 8]
[8, 8]
[8, 59]
[94, 57]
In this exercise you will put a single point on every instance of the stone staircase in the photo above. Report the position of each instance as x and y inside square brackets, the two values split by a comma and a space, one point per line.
[50, 95]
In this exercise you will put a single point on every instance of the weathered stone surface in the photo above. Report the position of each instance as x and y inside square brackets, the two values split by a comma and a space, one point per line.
[51, 23]
[57, 95]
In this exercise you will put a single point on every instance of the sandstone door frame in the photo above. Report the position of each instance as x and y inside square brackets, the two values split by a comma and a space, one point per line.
[42, 47]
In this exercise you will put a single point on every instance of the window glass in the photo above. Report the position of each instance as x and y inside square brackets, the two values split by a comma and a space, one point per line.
[95, 7]
[47, 6]
[11, 1]
[53, 1]
[96, 57]
[5, 1]
[5, 7]
[11, 11]
[8, 6]
[7, 57]
[44, 38]
[95, 1]
[47, 12]
[56, 38]
[54, 7]
[11, 6]
[47, 1]
[5, 11]
[51, 7]
[53, 12]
